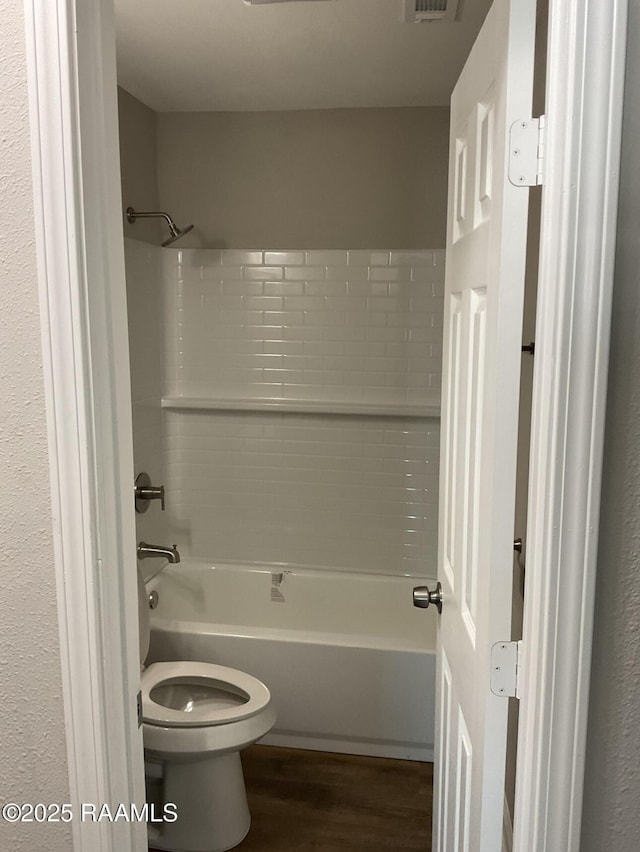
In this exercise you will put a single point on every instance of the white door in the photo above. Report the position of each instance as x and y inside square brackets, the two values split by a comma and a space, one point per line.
[486, 241]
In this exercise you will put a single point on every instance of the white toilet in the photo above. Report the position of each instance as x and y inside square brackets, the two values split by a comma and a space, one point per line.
[196, 718]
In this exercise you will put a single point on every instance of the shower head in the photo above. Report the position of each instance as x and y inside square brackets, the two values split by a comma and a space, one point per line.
[176, 233]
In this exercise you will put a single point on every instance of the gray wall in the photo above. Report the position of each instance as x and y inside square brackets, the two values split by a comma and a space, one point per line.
[138, 127]
[611, 819]
[350, 178]
[33, 767]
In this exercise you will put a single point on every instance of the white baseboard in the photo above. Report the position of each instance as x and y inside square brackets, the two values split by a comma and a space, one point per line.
[360, 747]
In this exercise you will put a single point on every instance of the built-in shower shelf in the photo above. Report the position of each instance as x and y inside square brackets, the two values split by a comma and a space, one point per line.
[303, 406]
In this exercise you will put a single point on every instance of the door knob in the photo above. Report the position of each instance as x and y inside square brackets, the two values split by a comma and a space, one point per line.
[423, 597]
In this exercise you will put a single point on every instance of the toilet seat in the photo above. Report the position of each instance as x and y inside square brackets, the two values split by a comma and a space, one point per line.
[214, 695]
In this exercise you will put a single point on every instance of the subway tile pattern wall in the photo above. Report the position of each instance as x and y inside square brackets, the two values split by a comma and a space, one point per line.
[342, 492]
[345, 492]
[357, 326]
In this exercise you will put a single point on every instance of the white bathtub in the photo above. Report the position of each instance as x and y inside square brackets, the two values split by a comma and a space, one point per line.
[349, 661]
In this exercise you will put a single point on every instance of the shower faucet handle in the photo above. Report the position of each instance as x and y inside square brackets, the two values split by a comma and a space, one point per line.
[144, 492]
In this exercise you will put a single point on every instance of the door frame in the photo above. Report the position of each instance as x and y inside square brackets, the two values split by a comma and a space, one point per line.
[72, 86]
[586, 54]
[81, 276]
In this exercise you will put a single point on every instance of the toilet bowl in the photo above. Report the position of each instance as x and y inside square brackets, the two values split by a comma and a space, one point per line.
[196, 718]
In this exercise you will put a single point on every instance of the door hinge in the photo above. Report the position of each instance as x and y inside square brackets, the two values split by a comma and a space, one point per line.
[505, 664]
[139, 706]
[526, 152]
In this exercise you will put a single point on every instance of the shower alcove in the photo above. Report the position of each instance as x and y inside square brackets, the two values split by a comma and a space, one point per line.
[289, 402]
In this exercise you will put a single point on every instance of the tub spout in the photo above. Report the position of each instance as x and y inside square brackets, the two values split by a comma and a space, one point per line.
[146, 551]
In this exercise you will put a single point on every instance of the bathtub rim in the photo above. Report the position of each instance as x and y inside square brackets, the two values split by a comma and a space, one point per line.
[315, 637]
[277, 567]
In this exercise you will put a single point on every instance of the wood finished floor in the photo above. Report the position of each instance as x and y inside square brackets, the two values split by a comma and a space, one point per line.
[310, 801]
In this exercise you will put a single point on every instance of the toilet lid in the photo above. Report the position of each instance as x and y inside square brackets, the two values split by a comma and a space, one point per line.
[188, 694]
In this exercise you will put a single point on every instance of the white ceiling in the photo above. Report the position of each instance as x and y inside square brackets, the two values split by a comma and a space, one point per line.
[182, 55]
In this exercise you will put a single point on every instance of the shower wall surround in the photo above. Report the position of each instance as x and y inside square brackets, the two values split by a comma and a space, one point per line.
[354, 326]
[319, 334]
[143, 264]
[354, 493]
[221, 336]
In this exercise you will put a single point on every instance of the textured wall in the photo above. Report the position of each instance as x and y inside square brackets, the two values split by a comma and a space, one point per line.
[611, 818]
[139, 167]
[33, 767]
[340, 179]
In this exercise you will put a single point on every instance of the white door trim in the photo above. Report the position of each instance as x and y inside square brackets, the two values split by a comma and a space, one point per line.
[587, 41]
[72, 90]
[75, 152]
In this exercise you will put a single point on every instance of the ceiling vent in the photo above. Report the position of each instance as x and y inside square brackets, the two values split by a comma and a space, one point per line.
[427, 11]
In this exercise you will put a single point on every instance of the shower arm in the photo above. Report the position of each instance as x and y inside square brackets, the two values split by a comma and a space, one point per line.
[132, 215]
[174, 230]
